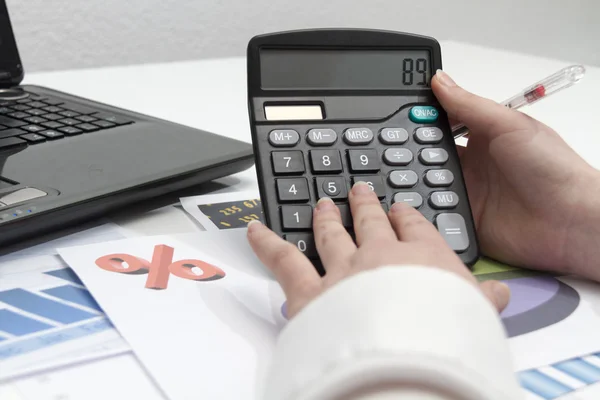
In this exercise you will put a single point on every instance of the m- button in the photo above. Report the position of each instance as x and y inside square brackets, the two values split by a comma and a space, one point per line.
[321, 137]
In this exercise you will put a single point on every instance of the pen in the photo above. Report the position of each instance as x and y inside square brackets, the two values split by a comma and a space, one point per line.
[558, 81]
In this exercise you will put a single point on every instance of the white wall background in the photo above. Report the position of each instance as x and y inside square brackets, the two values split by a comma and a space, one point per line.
[65, 34]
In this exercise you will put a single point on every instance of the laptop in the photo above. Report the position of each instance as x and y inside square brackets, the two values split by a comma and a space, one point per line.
[65, 159]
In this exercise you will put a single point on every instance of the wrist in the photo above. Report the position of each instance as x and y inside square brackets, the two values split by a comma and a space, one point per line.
[582, 251]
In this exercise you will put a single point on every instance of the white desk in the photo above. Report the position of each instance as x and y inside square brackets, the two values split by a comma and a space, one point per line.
[211, 95]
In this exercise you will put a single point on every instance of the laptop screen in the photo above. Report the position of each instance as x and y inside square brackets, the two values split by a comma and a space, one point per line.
[10, 62]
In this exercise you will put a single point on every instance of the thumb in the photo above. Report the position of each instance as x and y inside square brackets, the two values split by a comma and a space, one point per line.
[479, 114]
[497, 292]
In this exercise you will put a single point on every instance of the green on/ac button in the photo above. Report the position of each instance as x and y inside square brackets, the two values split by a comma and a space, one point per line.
[423, 114]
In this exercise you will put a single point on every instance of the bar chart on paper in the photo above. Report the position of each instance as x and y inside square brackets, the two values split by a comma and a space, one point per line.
[48, 318]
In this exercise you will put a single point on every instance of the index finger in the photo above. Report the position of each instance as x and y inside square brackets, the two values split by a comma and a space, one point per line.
[294, 272]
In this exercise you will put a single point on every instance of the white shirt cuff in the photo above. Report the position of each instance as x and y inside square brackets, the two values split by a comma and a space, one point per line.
[405, 327]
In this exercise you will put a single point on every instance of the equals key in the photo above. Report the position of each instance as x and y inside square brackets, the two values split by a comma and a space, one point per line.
[453, 229]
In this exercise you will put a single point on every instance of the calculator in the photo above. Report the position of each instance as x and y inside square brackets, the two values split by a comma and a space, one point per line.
[330, 107]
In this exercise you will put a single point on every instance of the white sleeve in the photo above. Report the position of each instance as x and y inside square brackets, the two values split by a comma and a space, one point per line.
[395, 333]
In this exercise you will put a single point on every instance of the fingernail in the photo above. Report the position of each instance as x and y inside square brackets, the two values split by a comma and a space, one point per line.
[501, 294]
[444, 78]
[361, 187]
[325, 203]
[254, 225]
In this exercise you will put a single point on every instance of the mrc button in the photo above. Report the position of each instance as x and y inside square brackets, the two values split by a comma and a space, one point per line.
[358, 136]
[423, 114]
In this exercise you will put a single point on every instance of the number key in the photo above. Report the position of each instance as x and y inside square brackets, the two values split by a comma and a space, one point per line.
[363, 160]
[326, 161]
[292, 189]
[334, 187]
[296, 217]
[287, 162]
[375, 182]
[305, 242]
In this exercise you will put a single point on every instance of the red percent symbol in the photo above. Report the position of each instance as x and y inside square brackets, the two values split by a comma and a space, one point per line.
[161, 267]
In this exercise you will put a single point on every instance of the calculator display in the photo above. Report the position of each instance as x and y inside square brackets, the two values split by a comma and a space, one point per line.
[351, 69]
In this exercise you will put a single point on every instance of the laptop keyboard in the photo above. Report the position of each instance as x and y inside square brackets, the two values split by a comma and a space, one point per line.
[37, 119]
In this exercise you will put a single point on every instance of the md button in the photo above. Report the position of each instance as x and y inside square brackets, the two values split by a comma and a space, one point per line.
[423, 114]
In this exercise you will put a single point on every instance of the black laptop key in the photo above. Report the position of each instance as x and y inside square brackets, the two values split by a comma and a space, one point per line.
[52, 124]
[87, 127]
[34, 138]
[79, 108]
[11, 132]
[53, 117]
[69, 121]
[2, 127]
[114, 118]
[5, 110]
[70, 131]
[69, 114]
[35, 120]
[86, 118]
[53, 109]
[53, 101]
[18, 114]
[10, 122]
[33, 128]
[36, 112]
[36, 104]
[11, 142]
[21, 107]
[23, 101]
[103, 123]
[52, 134]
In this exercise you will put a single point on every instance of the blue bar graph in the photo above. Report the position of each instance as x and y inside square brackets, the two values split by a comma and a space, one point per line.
[542, 385]
[74, 295]
[38, 305]
[19, 325]
[65, 273]
[580, 369]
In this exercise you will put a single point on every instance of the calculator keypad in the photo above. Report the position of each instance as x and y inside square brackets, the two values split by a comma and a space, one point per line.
[400, 160]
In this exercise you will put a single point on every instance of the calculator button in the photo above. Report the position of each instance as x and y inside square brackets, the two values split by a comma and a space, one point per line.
[413, 199]
[454, 231]
[346, 215]
[287, 162]
[284, 137]
[428, 135]
[305, 242]
[321, 137]
[403, 179]
[397, 156]
[439, 177]
[334, 187]
[295, 189]
[327, 161]
[423, 114]
[433, 156]
[363, 160]
[296, 217]
[358, 136]
[393, 136]
[442, 200]
[375, 182]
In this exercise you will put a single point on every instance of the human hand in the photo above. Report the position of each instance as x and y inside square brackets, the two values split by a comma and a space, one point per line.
[531, 195]
[403, 237]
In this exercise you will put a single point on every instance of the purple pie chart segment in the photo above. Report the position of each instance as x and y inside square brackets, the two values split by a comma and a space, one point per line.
[529, 293]
[537, 302]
